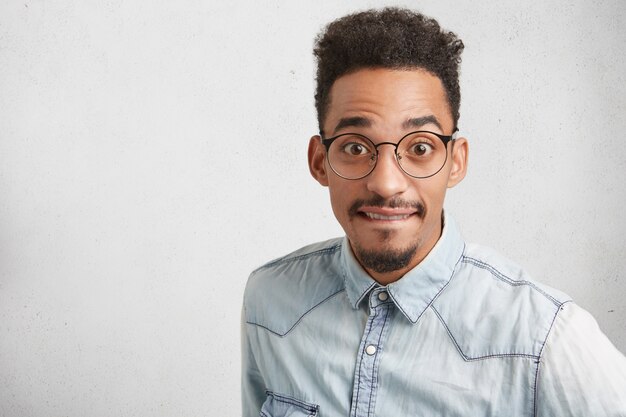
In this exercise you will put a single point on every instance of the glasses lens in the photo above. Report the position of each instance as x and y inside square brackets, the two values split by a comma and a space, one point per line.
[352, 156]
[421, 154]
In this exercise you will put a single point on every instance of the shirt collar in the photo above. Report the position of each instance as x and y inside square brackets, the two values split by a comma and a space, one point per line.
[414, 292]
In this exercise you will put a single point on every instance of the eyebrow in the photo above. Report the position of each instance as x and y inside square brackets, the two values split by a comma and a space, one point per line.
[419, 122]
[415, 122]
[357, 121]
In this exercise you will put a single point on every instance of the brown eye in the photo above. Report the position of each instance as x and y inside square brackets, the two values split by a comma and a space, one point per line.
[421, 149]
[354, 149]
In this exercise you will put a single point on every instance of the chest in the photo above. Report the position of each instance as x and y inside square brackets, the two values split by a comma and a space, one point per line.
[374, 362]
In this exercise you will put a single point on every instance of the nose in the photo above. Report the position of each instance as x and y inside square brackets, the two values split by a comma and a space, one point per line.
[387, 179]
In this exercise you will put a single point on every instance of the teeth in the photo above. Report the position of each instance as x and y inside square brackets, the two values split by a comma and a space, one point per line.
[381, 217]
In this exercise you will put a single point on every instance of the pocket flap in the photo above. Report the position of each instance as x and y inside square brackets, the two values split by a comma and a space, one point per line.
[278, 405]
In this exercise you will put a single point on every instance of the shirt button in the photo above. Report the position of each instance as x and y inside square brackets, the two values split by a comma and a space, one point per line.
[382, 296]
[370, 350]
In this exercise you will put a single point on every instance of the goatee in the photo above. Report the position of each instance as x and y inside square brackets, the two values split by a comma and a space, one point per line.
[384, 260]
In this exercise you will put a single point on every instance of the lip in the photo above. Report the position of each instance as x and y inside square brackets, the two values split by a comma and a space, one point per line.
[385, 214]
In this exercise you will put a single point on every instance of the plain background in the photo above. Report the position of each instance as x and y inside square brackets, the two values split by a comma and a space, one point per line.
[153, 153]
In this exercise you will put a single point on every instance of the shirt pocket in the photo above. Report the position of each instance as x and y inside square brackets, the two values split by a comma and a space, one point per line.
[278, 405]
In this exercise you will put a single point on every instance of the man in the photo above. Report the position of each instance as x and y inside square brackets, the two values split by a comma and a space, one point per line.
[402, 317]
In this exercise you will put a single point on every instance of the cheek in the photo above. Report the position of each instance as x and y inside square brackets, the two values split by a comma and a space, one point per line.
[437, 193]
[432, 191]
[338, 200]
[342, 197]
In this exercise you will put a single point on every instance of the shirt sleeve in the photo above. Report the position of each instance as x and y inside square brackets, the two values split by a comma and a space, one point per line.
[252, 384]
[580, 373]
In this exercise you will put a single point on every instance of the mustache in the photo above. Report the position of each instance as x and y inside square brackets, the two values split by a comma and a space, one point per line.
[396, 202]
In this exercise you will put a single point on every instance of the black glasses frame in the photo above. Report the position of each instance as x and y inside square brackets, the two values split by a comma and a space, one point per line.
[445, 139]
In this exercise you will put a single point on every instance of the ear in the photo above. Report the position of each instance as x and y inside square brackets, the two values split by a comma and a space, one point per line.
[460, 150]
[317, 160]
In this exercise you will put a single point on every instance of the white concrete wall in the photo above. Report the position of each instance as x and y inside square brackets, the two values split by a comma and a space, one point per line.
[153, 152]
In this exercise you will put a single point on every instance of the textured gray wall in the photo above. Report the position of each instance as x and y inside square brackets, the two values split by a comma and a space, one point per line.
[152, 154]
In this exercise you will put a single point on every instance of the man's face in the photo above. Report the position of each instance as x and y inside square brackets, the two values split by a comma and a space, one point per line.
[392, 220]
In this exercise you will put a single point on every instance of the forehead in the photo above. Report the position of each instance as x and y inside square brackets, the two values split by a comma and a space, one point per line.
[387, 98]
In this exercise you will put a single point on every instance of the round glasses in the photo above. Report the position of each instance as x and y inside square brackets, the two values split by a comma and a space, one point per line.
[420, 154]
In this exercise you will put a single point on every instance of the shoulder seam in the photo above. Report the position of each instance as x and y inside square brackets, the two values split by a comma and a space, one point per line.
[499, 275]
[288, 258]
[558, 310]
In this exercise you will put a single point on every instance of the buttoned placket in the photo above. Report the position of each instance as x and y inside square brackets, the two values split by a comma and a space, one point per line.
[370, 352]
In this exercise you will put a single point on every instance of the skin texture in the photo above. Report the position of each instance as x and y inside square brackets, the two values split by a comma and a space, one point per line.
[383, 100]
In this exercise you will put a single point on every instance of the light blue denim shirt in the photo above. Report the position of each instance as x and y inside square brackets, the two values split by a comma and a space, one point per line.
[465, 333]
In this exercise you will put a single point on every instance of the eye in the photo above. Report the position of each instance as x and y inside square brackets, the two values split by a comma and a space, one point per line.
[421, 149]
[354, 148]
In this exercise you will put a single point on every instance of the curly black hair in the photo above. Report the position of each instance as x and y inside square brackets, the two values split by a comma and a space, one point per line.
[387, 38]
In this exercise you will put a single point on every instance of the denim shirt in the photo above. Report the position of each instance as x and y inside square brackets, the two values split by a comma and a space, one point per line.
[465, 333]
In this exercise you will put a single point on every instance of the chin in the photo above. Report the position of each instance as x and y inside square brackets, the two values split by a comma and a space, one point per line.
[385, 258]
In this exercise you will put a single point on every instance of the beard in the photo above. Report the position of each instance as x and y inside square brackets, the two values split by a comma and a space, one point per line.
[385, 260]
